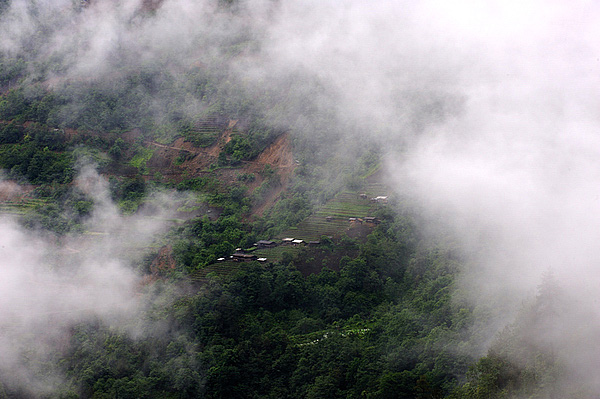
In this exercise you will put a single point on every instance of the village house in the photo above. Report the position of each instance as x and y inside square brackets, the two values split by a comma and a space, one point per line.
[242, 257]
[265, 244]
[382, 199]
[287, 241]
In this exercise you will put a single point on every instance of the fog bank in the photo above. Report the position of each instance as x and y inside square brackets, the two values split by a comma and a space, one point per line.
[488, 113]
[49, 284]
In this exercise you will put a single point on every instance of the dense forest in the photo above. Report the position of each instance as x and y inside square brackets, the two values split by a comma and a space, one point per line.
[371, 303]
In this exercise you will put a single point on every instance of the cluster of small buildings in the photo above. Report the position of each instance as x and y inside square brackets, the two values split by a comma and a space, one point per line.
[382, 199]
[366, 219]
[265, 244]
[241, 256]
[292, 241]
[262, 244]
[244, 257]
[297, 242]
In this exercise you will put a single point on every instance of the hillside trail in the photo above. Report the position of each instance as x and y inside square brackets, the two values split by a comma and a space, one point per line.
[181, 145]
[170, 147]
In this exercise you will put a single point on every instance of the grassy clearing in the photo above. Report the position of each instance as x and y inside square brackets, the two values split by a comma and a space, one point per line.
[141, 158]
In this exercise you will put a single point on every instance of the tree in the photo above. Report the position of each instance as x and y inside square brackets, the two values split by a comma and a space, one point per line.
[116, 151]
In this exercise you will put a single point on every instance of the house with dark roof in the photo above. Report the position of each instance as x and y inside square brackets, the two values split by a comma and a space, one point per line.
[242, 257]
[265, 244]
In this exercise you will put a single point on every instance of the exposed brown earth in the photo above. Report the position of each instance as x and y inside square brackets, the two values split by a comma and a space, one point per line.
[13, 192]
[198, 161]
[183, 160]
[279, 155]
[164, 261]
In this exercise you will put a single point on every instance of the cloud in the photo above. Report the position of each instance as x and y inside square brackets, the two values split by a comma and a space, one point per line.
[515, 175]
[489, 111]
[47, 284]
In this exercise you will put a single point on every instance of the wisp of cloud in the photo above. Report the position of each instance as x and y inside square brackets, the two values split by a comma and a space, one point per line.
[488, 111]
[48, 285]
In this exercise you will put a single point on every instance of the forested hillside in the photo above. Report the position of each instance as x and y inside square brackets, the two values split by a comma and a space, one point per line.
[374, 316]
[260, 199]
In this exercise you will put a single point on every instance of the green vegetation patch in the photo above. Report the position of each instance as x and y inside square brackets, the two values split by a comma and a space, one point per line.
[201, 139]
[141, 158]
[333, 217]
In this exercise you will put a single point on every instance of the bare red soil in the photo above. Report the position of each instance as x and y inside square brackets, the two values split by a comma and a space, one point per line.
[164, 261]
[198, 161]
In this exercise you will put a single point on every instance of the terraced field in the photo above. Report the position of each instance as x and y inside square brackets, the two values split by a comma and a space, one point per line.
[19, 207]
[346, 205]
[225, 268]
[206, 131]
[276, 254]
